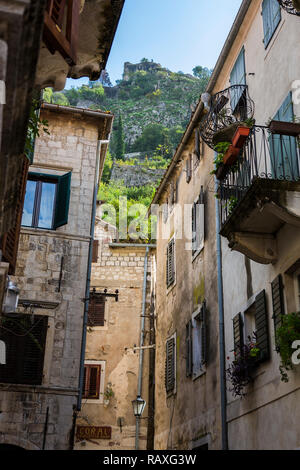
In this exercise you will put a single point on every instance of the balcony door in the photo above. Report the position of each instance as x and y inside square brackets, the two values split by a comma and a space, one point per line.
[283, 148]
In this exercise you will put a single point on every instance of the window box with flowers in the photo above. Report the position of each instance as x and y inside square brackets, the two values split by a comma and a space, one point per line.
[286, 334]
[240, 371]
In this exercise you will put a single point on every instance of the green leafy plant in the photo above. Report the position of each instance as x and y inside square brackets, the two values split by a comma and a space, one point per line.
[240, 370]
[286, 334]
[221, 148]
[109, 393]
[231, 203]
[35, 125]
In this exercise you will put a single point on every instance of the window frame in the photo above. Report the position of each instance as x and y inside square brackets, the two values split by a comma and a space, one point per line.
[37, 200]
[197, 346]
[199, 224]
[100, 399]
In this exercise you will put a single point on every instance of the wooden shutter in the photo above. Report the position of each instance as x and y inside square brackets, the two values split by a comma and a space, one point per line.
[170, 365]
[261, 325]
[96, 311]
[238, 335]
[10, 240]
[238, 77]
[62, 200]
[189, 168]
[25, 345]
[92, 376]
[189, 349]
[271, 14]
[277, 301]
[203, 333]
[95, 251]
[194, 228]
[197, 144]
[65, 42]
[170, 263]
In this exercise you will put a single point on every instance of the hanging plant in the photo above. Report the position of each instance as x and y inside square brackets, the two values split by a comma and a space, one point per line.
[240, 371]
[286, 334]
[35, 125]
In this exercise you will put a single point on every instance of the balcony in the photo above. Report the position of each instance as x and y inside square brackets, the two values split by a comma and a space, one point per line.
[291, 6]
[228, 109]
[260, 192]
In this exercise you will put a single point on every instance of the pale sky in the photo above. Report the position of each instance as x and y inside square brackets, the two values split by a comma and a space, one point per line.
[178, 34]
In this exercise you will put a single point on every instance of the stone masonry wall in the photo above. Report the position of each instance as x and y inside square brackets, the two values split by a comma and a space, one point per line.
[71, 146]
[119, 268]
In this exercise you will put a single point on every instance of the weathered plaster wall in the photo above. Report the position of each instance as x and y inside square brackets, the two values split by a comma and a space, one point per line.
[122, 269]
[194, 412]
[71, 146]
[258, 421]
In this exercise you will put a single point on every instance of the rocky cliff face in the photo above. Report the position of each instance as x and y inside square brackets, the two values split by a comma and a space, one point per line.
[136, 175]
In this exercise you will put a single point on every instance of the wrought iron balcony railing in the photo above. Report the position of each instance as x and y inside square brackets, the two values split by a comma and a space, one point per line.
[265, 156]
[291, 6]
[228, 108]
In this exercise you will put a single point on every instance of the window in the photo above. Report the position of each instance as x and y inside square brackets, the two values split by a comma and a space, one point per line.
[170, 263]
[25, 341]
[170, 372]
[283, 148]
[198, 145]
[91, 381]
[188, 169]
[198, 341]
[238, 77]
[198, 224]
[46, 202]
[255, 321]
[96, 311]
[271, 14]
[95, 251]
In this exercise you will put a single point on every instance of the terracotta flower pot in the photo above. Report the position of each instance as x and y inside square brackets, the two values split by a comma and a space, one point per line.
[231, 155]
[240, 136]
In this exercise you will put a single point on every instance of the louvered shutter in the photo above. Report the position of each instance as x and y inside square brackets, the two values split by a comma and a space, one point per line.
[92, 376]
[96, 311]
[197, 144]
[62, 200]
[56, 9]
[25, 348]
[261, 325]
[188, 169]
[10, 241]
[271, 14]
[194, 228]
[238, 335]
[189, 349]
[238, 77]
[203, 333]
[95, 251]
[277, 301]
[170, 268]
[170, 365]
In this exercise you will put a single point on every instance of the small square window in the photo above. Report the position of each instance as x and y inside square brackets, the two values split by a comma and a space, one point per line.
[46, 203]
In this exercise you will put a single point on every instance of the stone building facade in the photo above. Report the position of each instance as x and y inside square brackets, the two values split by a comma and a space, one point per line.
[187, 375]
[249, 263]
[113, 342]
[39, 382]
[261, 246]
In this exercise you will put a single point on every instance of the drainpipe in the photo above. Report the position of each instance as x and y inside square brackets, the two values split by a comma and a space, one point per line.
[221, 328]
[89, 269]
[140, 376]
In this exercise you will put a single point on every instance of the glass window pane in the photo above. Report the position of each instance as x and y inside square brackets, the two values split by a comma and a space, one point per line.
[47, 205]
[29, 203]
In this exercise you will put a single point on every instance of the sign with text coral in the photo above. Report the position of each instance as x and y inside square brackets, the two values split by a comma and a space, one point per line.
[93, 432]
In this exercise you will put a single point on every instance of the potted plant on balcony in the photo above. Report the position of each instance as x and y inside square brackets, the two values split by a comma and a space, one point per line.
[220, 168]
[287, 333]
[240, 371]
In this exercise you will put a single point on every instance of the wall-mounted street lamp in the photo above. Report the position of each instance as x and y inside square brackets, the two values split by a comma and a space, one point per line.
[138, 406]
[11, 297]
